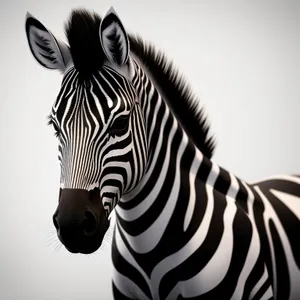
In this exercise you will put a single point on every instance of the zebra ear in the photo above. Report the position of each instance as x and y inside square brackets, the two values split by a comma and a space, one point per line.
[114, 39]
[47, 50]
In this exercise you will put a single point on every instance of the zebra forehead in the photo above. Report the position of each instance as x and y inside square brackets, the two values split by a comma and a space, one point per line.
[103, 94]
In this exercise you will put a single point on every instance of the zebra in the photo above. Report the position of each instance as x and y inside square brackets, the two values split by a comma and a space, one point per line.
[133, 140]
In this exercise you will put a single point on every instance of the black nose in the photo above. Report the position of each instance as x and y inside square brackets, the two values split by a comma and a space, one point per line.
[69, 229]
[80, 220]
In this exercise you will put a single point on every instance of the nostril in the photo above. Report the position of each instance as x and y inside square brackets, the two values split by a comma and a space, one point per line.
[90, 223]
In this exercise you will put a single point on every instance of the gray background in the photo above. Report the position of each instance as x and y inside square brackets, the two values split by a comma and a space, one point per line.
[241, 57]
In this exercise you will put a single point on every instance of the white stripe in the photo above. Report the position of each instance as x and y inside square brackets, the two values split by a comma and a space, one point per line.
[259, 284]
[192, 199]
[148, 240]
[127, 286]
[251, 259]
[216, 269]
[122, 248]
[234, 186]
[291, 201]
[188, 249]
[294, 271]
[140, 209]
[269, 294]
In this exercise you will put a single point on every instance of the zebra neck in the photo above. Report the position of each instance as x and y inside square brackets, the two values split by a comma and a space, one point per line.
[172, 155]
[171, 196]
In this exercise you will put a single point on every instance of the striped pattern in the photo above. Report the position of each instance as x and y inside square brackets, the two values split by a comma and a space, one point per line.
[185, 228]
[192, 229]
[85, 116]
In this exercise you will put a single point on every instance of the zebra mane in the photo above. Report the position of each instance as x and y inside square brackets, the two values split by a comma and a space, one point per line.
[182, 101]
[82, 31]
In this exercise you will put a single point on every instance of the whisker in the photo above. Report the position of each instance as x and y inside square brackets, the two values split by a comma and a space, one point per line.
[52, 231]
[52, 244]
[58, 247]
[51, 240]
[90, 256]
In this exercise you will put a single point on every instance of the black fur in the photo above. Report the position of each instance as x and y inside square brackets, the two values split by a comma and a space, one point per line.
[82, 32]
[179, 95]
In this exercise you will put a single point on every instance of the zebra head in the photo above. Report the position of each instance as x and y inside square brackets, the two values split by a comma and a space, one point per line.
[98, 123]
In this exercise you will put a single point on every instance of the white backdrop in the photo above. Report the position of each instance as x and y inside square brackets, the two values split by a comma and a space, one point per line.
[242, 59]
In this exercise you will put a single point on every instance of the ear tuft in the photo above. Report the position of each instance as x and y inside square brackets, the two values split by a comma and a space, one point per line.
[114, 39]
[47, 50]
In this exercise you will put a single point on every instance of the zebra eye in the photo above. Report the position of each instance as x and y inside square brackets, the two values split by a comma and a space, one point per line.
[119, 126]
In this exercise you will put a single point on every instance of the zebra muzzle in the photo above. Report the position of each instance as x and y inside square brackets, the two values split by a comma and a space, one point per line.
[80, 220]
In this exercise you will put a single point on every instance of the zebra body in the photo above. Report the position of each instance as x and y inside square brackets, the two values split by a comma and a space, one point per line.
[201, 198]
[185, 227]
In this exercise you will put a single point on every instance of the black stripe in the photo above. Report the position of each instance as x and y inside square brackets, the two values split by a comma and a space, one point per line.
[197, 261]
[43, 47]
[150, 185]
[242, 196]
[139, 225]
[263, 290]
[259, 209]
[126, 269]
[223, 182]
[48, 57]
[255, 275]
[171, 242]
[283, 277]
[290, 223]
